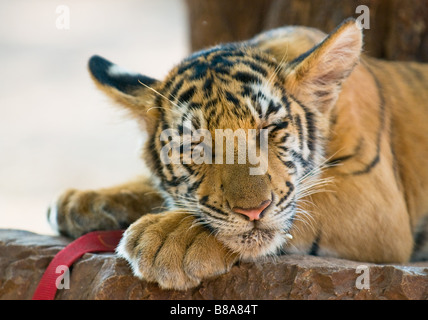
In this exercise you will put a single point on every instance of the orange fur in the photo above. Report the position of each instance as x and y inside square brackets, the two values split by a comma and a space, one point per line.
[358, 123]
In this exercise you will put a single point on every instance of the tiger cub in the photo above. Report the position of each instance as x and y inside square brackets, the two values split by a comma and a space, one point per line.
[291, 142]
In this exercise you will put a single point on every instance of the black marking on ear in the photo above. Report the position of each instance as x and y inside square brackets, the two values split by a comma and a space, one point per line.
[304, 55]
[104, 72]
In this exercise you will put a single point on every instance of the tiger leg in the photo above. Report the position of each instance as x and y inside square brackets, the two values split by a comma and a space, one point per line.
[171, 249]
[77, 212]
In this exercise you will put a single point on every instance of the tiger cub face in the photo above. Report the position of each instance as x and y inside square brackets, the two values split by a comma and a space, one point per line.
[236, 135]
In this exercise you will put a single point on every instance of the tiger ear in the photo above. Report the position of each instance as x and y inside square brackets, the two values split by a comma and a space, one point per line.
[287, 43]
[315, 77]
[132, 90]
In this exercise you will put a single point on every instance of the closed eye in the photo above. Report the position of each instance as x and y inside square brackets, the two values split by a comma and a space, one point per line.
[276, 126]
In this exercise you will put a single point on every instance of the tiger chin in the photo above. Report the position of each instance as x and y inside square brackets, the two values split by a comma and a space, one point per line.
[341, 138]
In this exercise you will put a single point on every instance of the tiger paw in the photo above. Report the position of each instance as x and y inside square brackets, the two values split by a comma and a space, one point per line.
[170, 249]
[75, 213]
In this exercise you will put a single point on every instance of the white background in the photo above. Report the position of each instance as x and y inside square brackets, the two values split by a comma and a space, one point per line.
[57, 131]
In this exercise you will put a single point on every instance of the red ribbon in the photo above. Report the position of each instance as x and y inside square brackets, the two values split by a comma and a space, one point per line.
[97, 241]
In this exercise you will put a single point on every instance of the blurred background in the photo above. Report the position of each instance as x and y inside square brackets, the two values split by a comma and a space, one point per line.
[57, 131]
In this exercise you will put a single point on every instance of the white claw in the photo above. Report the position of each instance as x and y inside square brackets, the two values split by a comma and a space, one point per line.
[53, 215]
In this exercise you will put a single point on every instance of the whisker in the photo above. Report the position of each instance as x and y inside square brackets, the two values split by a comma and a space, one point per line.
[279, 66]
[158, 93]
[179, 105]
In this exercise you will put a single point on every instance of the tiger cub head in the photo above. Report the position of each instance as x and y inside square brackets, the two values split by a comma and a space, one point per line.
[236, 133]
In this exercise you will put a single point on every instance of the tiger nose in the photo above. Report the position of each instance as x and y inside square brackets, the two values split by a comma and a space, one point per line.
[253, 213]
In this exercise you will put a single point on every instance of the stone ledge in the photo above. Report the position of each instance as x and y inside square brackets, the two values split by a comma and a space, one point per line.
[24, 256]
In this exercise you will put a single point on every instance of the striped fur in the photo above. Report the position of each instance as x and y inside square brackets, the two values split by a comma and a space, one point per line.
[346, 175]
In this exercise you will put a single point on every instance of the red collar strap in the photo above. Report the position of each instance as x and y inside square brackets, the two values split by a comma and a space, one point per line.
[97, 241]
